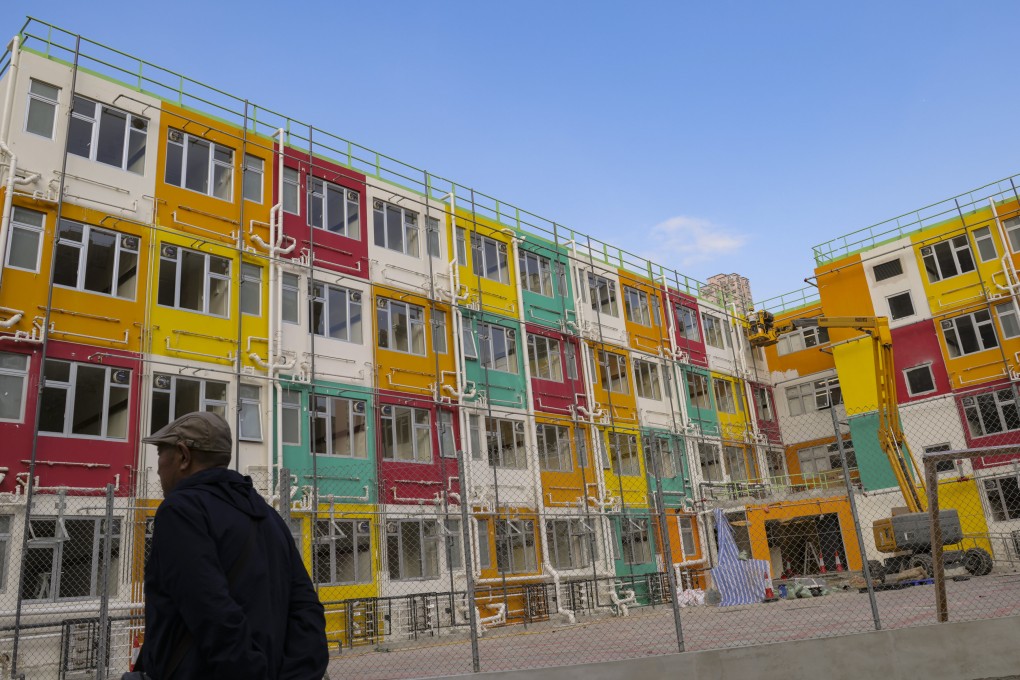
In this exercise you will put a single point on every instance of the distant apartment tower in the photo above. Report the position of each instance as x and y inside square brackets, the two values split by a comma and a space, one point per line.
[729, 288]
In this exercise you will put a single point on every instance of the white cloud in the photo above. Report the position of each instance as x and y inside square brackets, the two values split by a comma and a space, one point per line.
[683, 241]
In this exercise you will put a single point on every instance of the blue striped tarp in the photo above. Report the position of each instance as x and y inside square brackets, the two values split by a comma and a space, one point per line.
[738, 581]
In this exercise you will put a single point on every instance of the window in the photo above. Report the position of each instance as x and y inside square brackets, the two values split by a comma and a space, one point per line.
[553, 448]
[194, 281]
[461, 247]
[1013, 233]
[454, 544]
[251, 413]
[946, 259]
[724, 395]
[401, 326]
[624, 451]
[432, 243]
[396, 228]
[290, 417]
[13, 383]
[484, 559]
[1007, 320]
[637, 545]
[199, 165]
[26, 232]
[942, 465]
[107, 135]
[919, 380]
[1004, 497]
[697, 388]
[571, 543]
[65, 556]
[406, 434]
[338, 427]
[335, 209]
[467, 338]
[711, 464]
[603, 295]
[661, 460]
[646, 379]
[251, 183]
[489, 258]
[335, 312]
[504, 442]
[96, 260]
[291, 190]
[85, 400]
[581, 447]
[439, 331]
[412, 549]
[715, 332]
[802, 339]
[688, 543]
[736, 463]
[342, 551]
[637, 307]
[570, 358]
[290, 292]
[515, 546]
[173, 396]
[544, 358]
[42, 108]
[762, 404]
[817, 460]
[687, 323]
[813, 396]
[613, 372]
[447, 442]
[887, 270]
[498, 347]
[900, 306]
[969, 333]
[251, 289]
[985, 244]
[992, 413]
[536, 273]
[776, 460]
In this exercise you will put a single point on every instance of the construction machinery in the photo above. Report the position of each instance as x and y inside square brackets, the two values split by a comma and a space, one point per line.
[906, 535]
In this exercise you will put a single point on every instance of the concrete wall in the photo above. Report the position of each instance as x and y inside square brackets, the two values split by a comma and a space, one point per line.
[951, 651]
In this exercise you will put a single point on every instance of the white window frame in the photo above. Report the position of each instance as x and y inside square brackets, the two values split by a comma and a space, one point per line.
[1000, 509]
[254, 167]
[446, 434]
[985, 238]
[514, 535]
[56, 545]
[18, 224]
[351, 304]
[647, 381]
[685, 528]
[291, 191]
[358, 532]
[603, 295]
[291, 407]
[552, 368]
[290, 287]
[433, 241]
[571, 543]
[715, 331]
[131, 120]
[127, 245]
[610, 380]
[1008, 319]
[320, 190]
[735, 459]
[635, 540]
[539, 267]
[483, 250]
[693, 377]
[977, 321]
[487, 346]
[250, 274]
[725, 399]
[1001, 399]
[499, 453]
[931, 374]
[660, 456]
[41, 99]
[325, 409]
[763, 405]
[892, 314]
[710, 462]
[440, 343]
[1012, 226]
[687, 323]
[429, 539]
[420, 431]
[802, 339]
[165, 383]
[415, 322]
[952, 248]
[554, 448]
[249, 399]
[637, 307]
[461, 238]
[183, 141]
[208, 278]
[409, 240]
[17, 373]
[625, 454]
[114, 377]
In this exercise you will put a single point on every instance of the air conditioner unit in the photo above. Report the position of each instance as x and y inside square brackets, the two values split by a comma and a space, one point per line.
[947, 325]
[161, 381]
[387, 410]
[511, 334]
[968, 401]
[392, 528]
[382, 303]
[175, 135]
[352, 195]
[502, 247]
[355, 296]
[364, 527]
[926, 250]
[121, 376]
[359, 407]
[377, 204]
[129, 242]
[168, 251]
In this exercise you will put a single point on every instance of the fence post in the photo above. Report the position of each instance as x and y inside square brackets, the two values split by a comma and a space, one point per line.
[469, 567]
[102, 653]
[283, 488]
[667, 544]
[937, 563]
[865, 568]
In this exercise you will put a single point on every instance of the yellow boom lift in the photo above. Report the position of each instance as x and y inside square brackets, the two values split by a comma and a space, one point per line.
[904, 535]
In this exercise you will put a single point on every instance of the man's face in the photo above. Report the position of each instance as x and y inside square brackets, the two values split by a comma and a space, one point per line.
[169, 465]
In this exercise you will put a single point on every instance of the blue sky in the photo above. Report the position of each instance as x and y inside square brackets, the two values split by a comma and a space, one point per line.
[712, 136]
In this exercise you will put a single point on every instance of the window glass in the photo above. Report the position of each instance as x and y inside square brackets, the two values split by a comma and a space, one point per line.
[901, 306]
[919, 380]
[23, 250]
[252, 183]
[13, 383]
[42, 108]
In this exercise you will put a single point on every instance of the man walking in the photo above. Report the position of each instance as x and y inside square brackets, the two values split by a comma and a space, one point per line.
[226, 593]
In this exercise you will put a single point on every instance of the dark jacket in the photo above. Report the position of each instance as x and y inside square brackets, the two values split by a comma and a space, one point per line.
[264, 621]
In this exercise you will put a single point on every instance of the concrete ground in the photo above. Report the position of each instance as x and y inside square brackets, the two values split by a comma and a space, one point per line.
[651, 631]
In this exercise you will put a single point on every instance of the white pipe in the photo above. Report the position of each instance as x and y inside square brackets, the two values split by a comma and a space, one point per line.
[621, 604]
[16, 314]
[15, 49]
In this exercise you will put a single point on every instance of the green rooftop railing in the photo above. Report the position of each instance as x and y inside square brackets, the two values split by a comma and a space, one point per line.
[951, 208]
[56, 43]
[790, 301]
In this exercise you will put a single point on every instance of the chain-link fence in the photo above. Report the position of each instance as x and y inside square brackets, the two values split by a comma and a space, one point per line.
[577, 543]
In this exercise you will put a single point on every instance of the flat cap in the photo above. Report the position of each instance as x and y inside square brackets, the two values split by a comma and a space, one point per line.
[199, 430]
